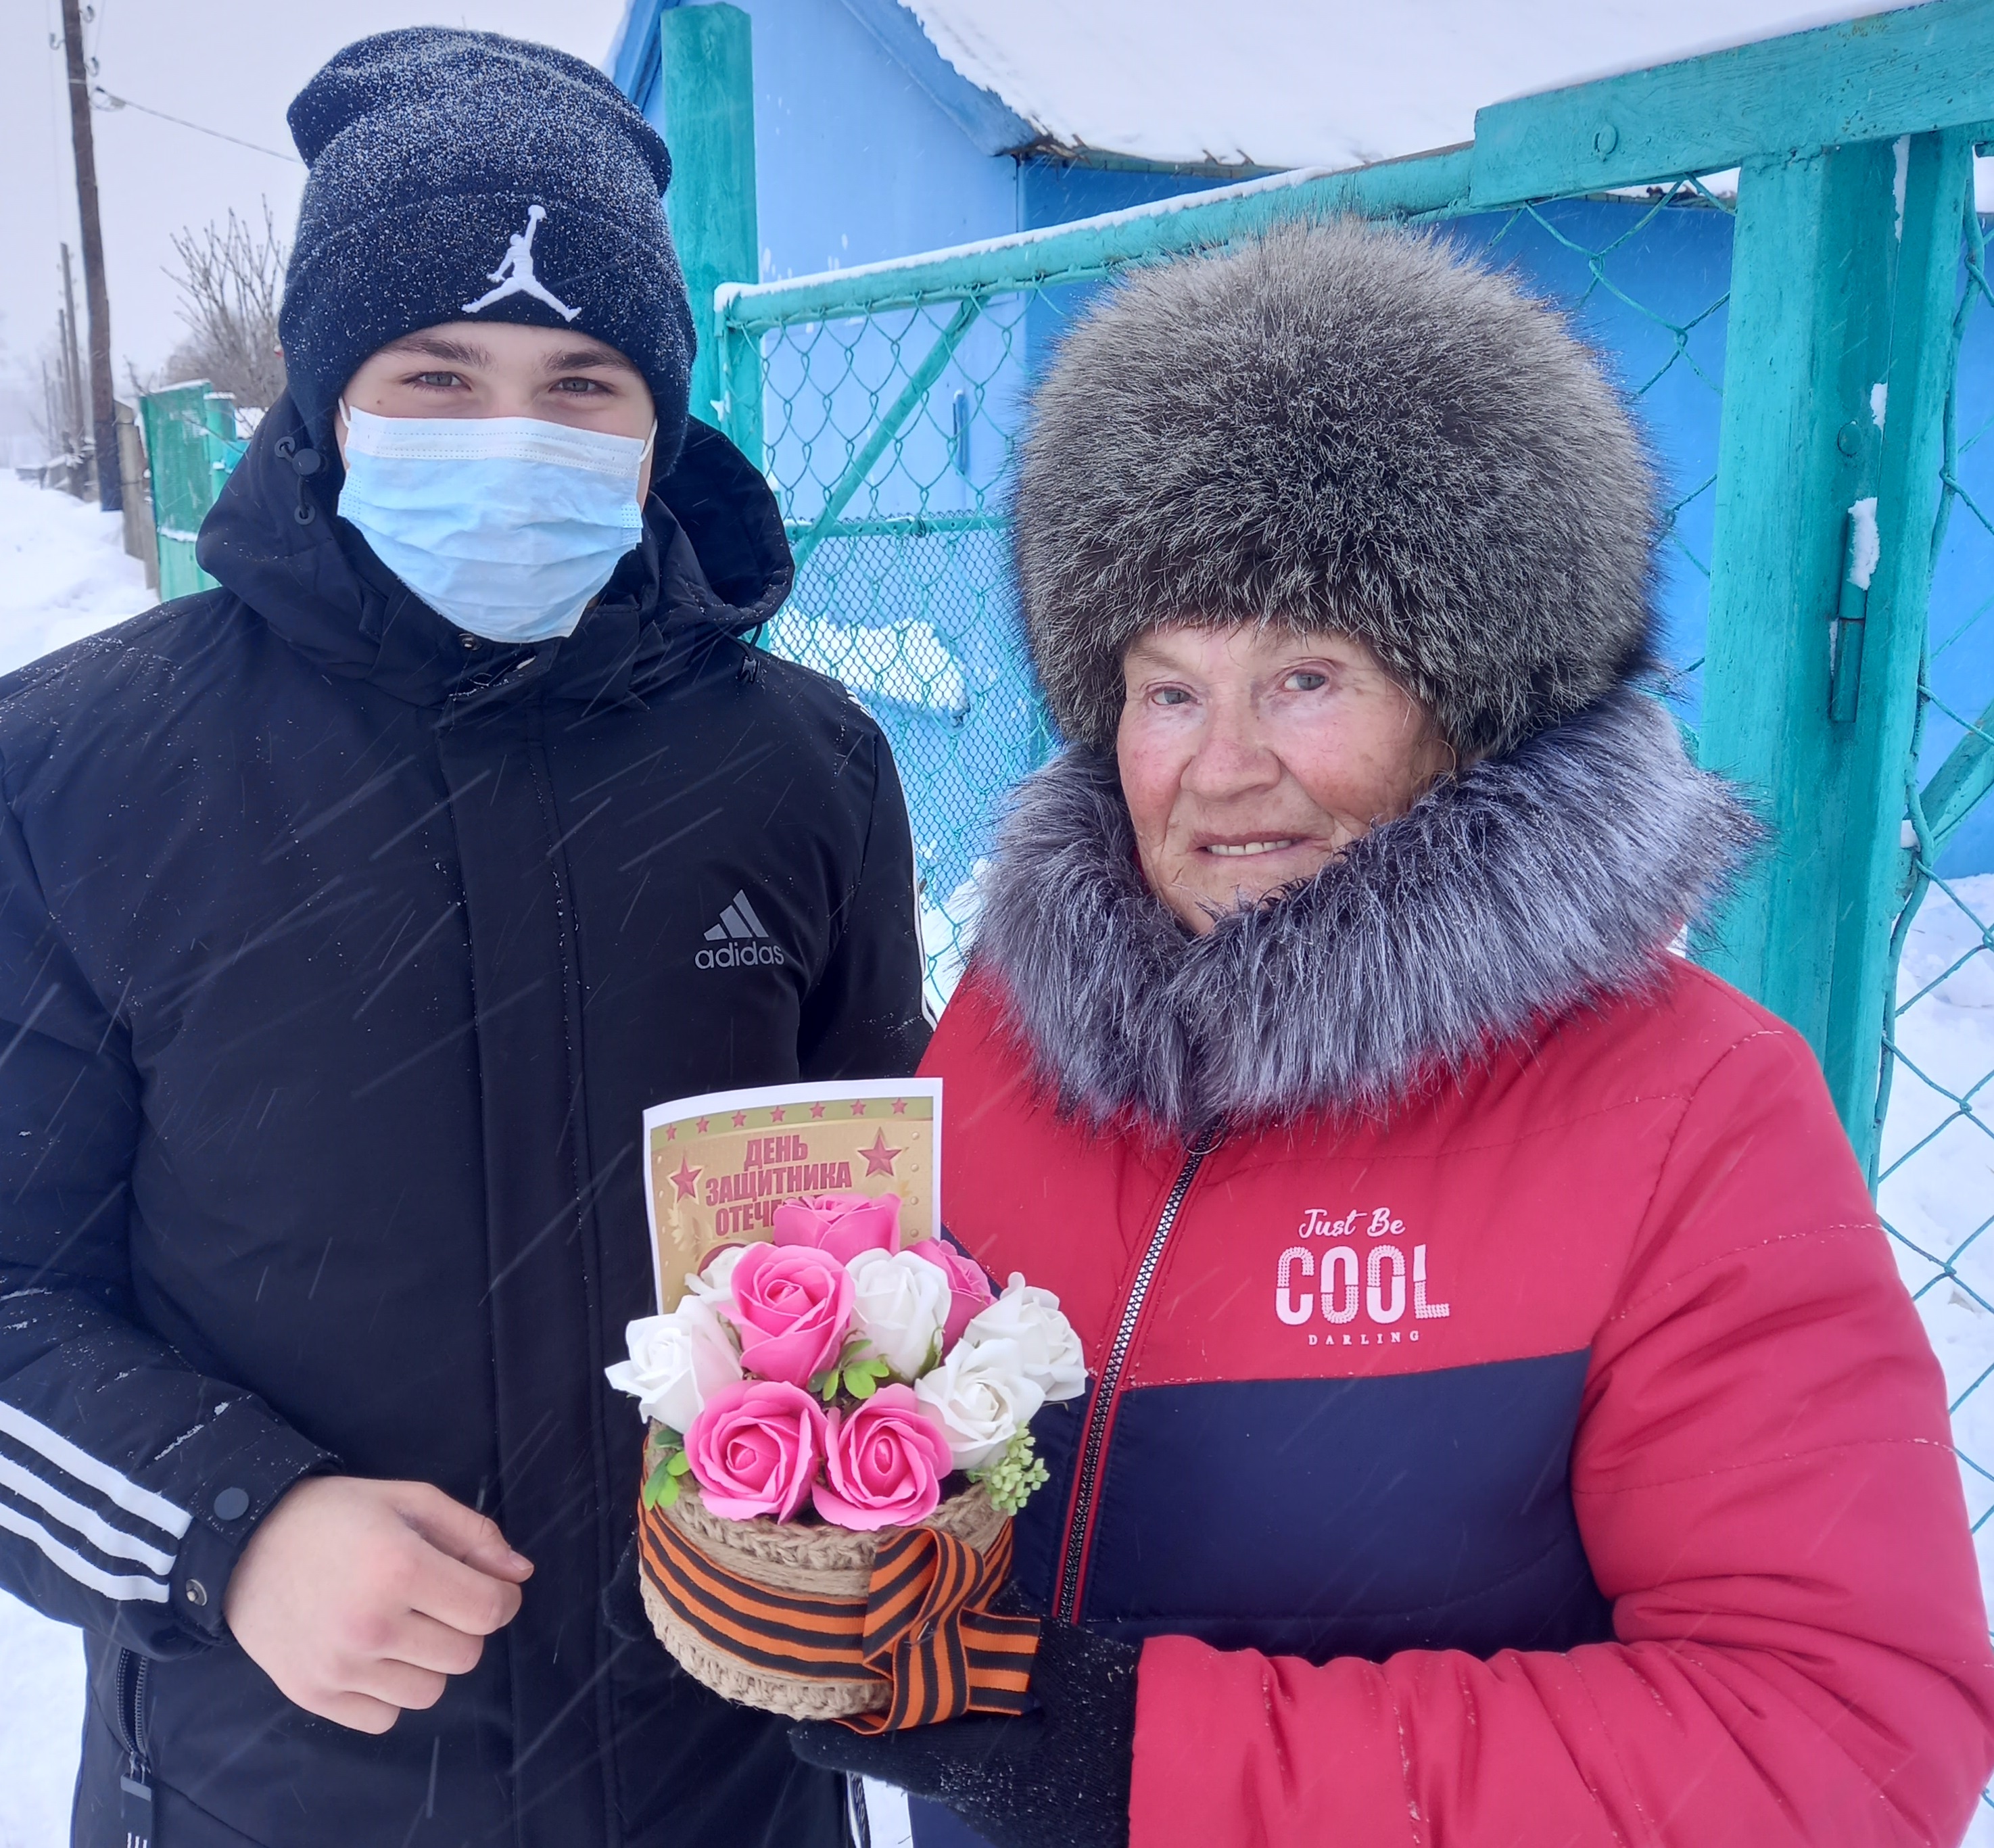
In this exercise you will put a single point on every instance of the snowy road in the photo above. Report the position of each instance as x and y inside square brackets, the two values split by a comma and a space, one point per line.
[63, 575]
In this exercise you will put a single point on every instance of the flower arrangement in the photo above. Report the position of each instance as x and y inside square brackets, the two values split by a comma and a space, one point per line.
[832, 1373]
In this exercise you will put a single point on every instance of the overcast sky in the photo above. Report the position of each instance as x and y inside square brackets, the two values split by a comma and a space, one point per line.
[229, 65]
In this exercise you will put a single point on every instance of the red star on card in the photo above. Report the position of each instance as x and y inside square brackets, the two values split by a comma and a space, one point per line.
[686, 1180]
[899, 1106]
[879, 1158]
[859, 1109]
[775, 1116]
[740, 1119]
[816, 1111]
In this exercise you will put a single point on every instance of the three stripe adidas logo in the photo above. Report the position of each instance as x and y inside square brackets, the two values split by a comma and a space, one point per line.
[743, 939]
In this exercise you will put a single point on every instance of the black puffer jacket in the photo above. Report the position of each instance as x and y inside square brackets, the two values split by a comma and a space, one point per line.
[339, 955]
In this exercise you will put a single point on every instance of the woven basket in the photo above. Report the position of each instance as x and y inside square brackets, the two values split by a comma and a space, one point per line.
[817, 1562]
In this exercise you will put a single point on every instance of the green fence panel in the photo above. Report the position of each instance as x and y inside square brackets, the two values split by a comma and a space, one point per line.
[887, 403]
[191, 447]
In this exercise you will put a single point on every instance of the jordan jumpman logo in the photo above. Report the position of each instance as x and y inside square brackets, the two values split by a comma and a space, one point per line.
[514, 274]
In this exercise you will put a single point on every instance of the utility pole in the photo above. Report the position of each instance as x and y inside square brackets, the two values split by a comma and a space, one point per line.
[104, 416]
[73, 410]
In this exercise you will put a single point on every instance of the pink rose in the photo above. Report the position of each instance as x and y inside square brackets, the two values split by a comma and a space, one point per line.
[883, 1464]
[970, 1290]
[842, 1224]
[755, 1448]
[793, 1305]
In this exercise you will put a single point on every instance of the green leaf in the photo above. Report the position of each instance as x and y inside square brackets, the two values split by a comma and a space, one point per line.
[656, 1483]
[861, 1382]
[668, 1493]
[678, 1462]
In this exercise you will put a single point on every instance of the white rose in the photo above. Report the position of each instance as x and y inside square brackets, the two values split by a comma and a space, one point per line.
[1048, 1349]
[899, 1304]
[980, 1398]
[715, 1285]
[676, 1363]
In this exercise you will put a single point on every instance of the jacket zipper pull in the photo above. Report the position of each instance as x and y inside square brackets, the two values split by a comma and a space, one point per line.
[137, 1786]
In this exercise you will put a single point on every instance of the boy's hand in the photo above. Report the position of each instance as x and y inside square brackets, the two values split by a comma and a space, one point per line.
[359, 1598]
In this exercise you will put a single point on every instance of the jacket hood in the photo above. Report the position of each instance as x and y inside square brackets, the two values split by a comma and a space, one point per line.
[1530, 884]
[713, 561]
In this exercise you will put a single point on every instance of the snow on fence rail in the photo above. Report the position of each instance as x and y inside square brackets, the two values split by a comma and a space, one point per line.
[1804, 342]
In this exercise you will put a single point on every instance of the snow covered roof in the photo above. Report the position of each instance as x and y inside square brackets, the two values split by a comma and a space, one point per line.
[1294, 82]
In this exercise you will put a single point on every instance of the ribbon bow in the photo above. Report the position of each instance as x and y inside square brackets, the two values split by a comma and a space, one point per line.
[929, 1632]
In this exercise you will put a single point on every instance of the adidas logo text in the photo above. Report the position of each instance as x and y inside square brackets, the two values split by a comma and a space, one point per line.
[743, 938]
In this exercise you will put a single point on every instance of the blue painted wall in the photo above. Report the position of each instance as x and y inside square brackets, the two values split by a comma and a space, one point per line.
[856, 161]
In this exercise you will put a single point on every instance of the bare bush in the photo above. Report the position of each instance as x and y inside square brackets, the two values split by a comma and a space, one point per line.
[232, 280]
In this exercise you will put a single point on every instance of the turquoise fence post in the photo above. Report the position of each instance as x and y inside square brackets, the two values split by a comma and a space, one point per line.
[177, 437]
[192, 446]
[1938, 193]
[741, 371]
[1827, 485]
[1808, 342]
[708, 95]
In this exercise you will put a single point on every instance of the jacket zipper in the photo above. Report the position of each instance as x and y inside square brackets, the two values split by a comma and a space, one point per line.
[1066, 1601]
[135, 1786]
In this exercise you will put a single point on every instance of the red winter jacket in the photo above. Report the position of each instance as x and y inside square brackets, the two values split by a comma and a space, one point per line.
[1561, 1463]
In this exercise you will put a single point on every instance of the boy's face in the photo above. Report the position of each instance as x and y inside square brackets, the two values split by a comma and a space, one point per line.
[466, 369]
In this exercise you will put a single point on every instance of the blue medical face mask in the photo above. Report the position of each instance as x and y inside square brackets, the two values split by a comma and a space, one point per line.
[507, 526]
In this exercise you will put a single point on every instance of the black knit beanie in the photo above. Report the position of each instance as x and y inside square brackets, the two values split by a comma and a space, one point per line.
[461, 176]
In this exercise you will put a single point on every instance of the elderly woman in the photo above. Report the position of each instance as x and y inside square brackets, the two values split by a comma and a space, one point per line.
[1506, 1426]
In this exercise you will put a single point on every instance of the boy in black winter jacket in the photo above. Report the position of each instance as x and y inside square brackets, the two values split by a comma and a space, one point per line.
[350, 915]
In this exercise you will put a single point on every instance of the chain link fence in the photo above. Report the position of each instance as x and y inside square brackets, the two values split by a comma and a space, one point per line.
[890, 438]
[1936, 1161]
[890, 441]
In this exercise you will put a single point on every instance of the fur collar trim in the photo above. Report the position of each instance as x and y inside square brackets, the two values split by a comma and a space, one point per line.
[1536, 882]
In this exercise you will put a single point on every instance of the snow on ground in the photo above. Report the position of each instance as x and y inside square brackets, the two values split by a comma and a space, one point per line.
[946, 930]
[41, 1714]
[909, 663]
[63, 575]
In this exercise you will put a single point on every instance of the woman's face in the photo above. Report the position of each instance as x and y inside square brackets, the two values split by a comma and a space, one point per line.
[1250, 757]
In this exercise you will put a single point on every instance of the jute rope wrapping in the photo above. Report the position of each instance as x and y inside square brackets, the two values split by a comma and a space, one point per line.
[880, 1630]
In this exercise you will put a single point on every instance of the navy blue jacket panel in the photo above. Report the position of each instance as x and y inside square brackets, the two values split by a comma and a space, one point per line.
[1339, 1516]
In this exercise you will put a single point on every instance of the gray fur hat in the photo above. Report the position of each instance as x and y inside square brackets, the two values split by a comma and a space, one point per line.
[1340, 426]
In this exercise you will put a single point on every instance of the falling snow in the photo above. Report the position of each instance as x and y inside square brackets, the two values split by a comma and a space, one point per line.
[63, 576]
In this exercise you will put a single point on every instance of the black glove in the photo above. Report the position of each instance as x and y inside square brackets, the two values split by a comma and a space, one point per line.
[1057, 1778]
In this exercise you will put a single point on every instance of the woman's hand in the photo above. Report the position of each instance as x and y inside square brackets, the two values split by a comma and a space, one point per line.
[359, 1598]
[1058, 1778]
